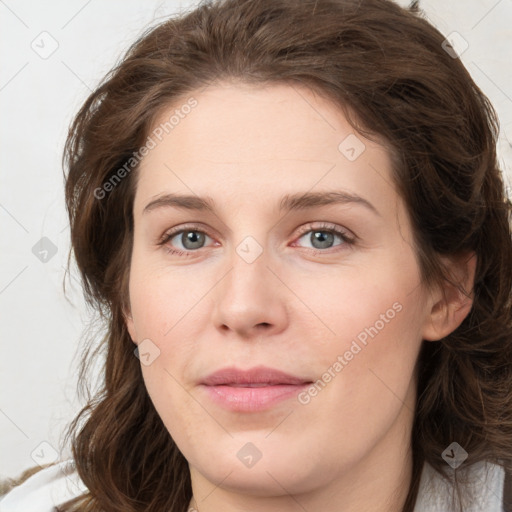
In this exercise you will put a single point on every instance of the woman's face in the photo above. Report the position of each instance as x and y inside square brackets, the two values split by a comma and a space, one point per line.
[292, 251]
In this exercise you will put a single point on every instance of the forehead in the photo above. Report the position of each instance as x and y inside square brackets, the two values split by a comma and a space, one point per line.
[286, 121]
[240, 140]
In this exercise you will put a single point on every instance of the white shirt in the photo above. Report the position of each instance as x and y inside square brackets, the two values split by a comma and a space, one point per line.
[56, 484]
[45, 489]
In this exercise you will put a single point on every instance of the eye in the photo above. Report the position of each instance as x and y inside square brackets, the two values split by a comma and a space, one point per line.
[185, 240]
[325, 236]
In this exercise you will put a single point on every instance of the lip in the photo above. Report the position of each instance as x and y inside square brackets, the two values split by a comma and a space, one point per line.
[251, 390]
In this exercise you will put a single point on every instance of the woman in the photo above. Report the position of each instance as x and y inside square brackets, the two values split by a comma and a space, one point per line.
[292, 214]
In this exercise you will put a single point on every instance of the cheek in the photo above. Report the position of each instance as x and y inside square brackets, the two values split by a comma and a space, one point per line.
[161, 297]
[374, 319]
[381, 300]
[166, 310]
[366, 378]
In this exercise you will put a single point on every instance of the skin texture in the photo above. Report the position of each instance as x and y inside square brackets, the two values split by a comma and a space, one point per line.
[296, 307]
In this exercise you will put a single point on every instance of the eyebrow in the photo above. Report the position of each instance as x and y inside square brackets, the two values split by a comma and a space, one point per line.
[299, 201]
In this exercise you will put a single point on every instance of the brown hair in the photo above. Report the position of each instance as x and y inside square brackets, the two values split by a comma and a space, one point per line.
[386, 68]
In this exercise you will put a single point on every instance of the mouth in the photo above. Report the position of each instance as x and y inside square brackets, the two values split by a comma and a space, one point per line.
[257, 376]
[252, 390]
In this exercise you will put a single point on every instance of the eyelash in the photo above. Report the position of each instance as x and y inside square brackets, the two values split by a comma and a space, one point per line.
[326, 228]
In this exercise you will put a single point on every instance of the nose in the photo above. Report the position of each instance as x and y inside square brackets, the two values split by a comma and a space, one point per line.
[250, 301]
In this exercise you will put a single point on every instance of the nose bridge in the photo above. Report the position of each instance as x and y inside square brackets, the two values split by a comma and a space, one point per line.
[247, 298]
[249, 273]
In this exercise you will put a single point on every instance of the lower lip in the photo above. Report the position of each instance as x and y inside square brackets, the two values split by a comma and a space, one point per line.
[245, 399]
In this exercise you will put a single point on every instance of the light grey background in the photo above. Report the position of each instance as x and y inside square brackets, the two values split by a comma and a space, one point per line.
[39, 94]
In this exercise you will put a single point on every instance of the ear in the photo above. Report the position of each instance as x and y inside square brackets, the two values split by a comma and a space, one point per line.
[130, 324]
[452, 301]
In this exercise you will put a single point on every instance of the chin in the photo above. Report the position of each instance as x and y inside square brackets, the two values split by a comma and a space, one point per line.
[270, 476]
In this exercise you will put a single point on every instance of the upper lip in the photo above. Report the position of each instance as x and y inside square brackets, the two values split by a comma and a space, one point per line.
[256, 375]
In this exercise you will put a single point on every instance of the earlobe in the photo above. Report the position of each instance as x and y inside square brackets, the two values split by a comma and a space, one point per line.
[452, 301]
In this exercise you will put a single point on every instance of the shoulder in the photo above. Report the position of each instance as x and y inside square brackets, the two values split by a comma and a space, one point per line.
[483, 487]
[45, 489]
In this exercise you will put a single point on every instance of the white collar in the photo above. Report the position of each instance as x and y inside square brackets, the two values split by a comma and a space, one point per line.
[482, 492]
